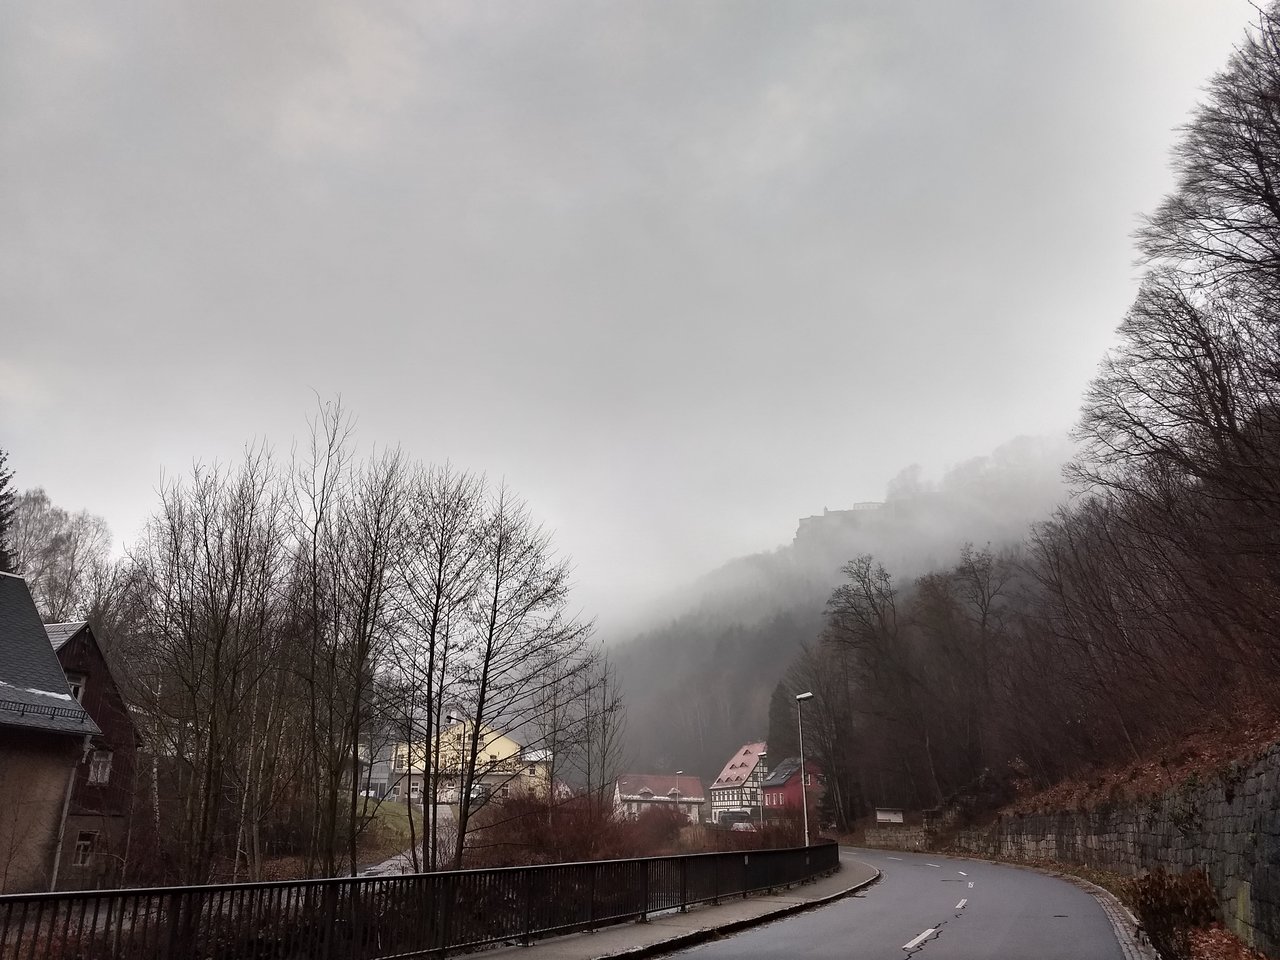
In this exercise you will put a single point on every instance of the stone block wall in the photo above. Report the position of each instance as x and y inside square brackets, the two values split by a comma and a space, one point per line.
[1228, 823]
[898, 838]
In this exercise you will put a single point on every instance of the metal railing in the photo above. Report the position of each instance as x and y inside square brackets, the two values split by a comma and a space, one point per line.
[383, 917]
[44, 710]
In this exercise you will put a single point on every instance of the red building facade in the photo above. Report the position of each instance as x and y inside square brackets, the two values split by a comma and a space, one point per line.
[783, 791]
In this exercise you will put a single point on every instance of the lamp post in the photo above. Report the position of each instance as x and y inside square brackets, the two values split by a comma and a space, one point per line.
[678, 774]
[764, 770]
[804, 793]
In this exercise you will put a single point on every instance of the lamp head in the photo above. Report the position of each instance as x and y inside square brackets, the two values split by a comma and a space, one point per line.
[801, 697]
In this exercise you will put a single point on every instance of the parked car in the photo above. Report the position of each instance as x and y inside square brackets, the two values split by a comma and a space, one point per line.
[744, 826]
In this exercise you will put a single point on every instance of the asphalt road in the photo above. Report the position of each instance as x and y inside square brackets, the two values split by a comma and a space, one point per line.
[937, 908]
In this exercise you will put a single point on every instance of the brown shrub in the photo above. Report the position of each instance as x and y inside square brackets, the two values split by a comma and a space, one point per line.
[1170, 905]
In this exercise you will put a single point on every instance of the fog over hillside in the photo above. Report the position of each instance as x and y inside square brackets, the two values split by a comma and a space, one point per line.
[698, 680]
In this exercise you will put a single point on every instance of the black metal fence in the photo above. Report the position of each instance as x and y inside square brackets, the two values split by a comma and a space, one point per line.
[382, 917]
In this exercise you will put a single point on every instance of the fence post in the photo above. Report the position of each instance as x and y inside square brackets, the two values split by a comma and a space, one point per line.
[715, 879]
[528, 905]
[329, 916]
[591, 896]
[171, 949]
[644, 892]
[684, 884]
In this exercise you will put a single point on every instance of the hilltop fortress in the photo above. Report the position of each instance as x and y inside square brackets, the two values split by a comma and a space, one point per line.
[835, 525]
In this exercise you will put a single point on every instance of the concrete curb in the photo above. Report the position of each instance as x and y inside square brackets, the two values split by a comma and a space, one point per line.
[695, 937]
[1133, 947]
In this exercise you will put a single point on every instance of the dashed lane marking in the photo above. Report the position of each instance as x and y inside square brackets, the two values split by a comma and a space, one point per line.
[960, 905]
[932, 865]
[962, 873]
[895, 858]
[912, 944]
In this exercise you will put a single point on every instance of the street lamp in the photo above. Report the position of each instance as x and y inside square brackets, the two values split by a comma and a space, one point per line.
[678, 774]
[764, 770]
[804, 794]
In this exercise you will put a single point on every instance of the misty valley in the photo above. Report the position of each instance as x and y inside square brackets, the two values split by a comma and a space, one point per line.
[595, 481]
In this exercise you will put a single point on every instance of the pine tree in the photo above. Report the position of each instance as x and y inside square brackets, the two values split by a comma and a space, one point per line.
[8, 498]
[784, 737]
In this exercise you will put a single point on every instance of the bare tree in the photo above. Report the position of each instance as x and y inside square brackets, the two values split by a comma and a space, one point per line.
[438, 571]
[61, 555]
[209, 563]
[520, 636]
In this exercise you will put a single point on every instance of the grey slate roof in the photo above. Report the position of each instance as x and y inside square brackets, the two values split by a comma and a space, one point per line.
[33, 689]
[60, 633]
[784, 771]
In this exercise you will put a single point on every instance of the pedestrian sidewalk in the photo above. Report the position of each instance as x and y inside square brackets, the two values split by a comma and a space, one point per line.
[665, 932]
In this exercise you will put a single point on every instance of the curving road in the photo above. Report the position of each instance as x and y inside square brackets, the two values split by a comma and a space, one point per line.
[937, 908]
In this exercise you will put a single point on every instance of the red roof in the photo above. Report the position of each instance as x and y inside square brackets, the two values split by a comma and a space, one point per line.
[634, 785]
[740, 765]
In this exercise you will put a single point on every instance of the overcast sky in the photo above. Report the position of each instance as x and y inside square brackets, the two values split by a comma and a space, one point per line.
[681, 272]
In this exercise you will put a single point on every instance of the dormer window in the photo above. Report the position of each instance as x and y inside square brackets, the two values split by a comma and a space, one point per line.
[646, 792]
[76, 682]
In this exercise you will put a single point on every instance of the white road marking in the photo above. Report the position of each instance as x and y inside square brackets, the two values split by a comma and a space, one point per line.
[932, 865]
[962, 873]
[970, 884]
[960, 905]
[895, 858]
[912, 944]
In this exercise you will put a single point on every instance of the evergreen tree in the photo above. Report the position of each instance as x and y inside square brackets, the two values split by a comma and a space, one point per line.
[8, 498]
[784, 735]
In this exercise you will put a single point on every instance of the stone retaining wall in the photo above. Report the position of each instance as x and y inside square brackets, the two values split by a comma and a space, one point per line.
[1228, 823]
[898, 838]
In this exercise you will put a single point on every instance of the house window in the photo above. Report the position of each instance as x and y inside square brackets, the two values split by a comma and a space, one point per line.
[532, 769]
[76, 682]
[504, 791]
[100, 766]
[402, 761]
[395, 792]
[85, 843]
[415, 790]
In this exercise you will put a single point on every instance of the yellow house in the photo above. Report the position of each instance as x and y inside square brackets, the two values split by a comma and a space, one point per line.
[504, 767]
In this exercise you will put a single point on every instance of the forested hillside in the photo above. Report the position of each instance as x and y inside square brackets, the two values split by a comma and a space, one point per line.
[699, 686]
[1144, 614]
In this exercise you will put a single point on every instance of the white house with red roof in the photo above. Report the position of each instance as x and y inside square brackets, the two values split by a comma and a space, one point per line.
[737, 790]
[636, 793]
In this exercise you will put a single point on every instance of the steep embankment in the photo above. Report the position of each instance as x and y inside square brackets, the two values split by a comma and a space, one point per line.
[1227, 822]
